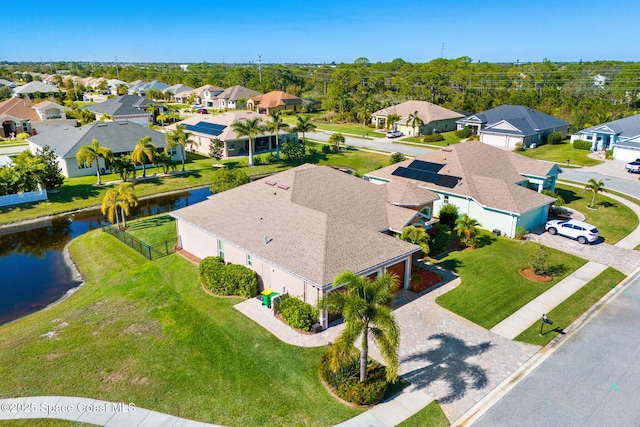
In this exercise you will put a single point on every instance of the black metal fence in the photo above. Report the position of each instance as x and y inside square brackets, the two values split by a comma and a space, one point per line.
[156, 251]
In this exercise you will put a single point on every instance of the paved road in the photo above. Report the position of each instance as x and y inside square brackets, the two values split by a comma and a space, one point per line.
[623, 182]
[380, 144]
[591, 380]
[13, 149]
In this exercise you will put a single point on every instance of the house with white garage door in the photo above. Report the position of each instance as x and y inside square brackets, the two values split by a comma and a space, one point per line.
[507, 125]
[622, 136]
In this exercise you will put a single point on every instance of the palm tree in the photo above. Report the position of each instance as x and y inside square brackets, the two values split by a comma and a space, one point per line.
[415, 121]
[303, 125]
[162, 117]
[152, 109]
[165, 160]
[178, 137]
[467, 227]
[275, 126]
[335, 140]
[250, 128]
[392, 119]
[366, 308]
[88, 153]
[144, 152]
[596, 187]
[126, 200]
[417, 236]
[110, 206]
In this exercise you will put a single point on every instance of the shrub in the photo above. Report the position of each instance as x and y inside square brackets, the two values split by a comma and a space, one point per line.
[554, 138]
[609, 155]
[539, 261]
[465, 132]
[232, 279]
[581, 144]
[521, 232]
[397, 157]
[346, 381]
[272, 158]
[448, 215]
[440, 239]
[433, 138]
[312, 151]
[326, 149]
[520, 146]
[297, 313]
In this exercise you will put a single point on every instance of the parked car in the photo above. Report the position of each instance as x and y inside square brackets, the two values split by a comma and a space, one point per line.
[202, 111]
[394, 134]
[633, 167]
[578, 230]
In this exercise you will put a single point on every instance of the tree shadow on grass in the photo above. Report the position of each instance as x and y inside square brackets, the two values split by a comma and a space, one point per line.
[568, 195]
[451, 264]
[76, 192]
[448, 362]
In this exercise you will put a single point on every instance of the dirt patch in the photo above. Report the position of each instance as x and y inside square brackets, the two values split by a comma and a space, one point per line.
[529, 274]
[138, 330]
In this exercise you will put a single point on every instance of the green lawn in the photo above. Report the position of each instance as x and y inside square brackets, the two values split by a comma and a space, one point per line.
[430, 416]
[81, 192]
[450, 138]
[43, 423]
[492, 287]
[144, 332]
[564, 314]
[154, 229]
[562, 154]
[345, 128]
[613, 219]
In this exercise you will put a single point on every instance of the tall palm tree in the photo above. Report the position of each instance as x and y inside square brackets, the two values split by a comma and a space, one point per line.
[88, 153]
[596, 187]
[275, 126]
[110, 206]
[467, 227]
[164, 159]
[415, 121]
[250, 128]
[392, 119]
[178, 137]
[366, 308]
[126, 200]
[303, 125]
[152, 109]
[143, 153]
[162, 118]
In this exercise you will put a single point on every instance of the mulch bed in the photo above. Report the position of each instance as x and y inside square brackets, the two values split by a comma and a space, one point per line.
[529, 274]
[428, 279]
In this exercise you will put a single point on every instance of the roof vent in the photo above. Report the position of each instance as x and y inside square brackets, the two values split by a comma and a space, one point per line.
[102, 125]
[271, 183]
[123, 123]
[447, 149]
[283, 187]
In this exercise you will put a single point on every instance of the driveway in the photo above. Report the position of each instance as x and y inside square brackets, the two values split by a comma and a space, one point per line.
[449, 357]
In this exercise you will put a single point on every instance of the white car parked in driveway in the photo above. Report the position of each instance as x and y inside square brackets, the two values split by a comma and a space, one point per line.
[394, 134]
[581, 231]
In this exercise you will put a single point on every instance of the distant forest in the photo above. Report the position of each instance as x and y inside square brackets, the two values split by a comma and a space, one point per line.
[585, 94]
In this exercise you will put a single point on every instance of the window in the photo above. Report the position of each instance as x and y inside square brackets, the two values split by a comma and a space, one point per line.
[221, 249]
[249, 262]
[232, 145]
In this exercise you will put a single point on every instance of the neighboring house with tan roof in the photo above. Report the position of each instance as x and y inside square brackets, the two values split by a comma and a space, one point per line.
[507, 125]
[202, 93]
[434, 118]
[300, 228]
[231, 98]
[498, 188]
[206, 127]
[19, 115]
[34, 88]
[276, 100]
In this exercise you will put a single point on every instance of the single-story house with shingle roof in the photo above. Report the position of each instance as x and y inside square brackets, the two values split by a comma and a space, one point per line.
[19, 115]
[121, 137]
[622, 135]
[132, 108]
[434, 118]
[35, 87]
[507, 125]
[498, 188]
[300, 228]
[273, 101]
[230, 98]
[206, 127]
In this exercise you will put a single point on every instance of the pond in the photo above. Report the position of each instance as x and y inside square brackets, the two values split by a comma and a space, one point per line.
[33, 273]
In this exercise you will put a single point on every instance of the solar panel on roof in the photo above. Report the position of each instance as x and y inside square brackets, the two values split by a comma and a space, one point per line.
[447, 181]
[213, 129]
[430, 177]
[425, 166]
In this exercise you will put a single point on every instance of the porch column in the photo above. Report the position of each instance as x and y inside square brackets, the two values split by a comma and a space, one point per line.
[540, 187]
[407, 273]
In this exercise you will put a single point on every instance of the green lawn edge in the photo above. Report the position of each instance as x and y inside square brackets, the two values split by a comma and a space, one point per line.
[429, 416]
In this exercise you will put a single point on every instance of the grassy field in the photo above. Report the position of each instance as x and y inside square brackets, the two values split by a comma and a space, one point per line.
[81, 192]
[561, 154]
[492, 287]
[450, 138]
[564, 314]
[613, 219]
[144, 332]
[430, 416]
[154, 229]
[345, 128]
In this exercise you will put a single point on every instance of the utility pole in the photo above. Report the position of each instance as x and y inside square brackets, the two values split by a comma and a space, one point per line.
[442, 51]
[260, 68]
[117, 72]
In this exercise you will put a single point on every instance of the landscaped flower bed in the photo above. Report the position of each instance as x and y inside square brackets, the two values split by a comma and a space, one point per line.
[422, 279]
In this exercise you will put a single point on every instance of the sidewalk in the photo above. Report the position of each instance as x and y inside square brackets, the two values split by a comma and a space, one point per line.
[90, 411]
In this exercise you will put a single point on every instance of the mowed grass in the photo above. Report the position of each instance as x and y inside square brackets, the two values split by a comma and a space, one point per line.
[345, 128]
[154, 229]
[450, 138]
[492, 287]
[562, 154]
[613, 219]
[82, 192]
[145, 332]
[429, 416]
[573, 307]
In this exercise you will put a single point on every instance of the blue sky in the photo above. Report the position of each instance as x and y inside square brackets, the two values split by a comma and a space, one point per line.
[237, 31]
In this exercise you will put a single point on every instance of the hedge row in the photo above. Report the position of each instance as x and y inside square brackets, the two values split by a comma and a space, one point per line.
[581, 144]
[228, 279]
[297, 313]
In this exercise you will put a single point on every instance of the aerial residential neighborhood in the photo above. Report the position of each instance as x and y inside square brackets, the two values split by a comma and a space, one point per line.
[290, 217]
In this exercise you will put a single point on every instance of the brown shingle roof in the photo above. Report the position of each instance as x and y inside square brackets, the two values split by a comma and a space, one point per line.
[427, 111]
[487, 174]
[318, 222]
[19, 108]
[275, 98]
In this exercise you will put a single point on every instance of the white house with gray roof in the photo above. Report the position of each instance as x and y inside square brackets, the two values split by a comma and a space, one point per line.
[498, 188]
[131, 108]
[622, 135]
[121, 137]
[300, 228]
[507, 125]
[230, 98]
